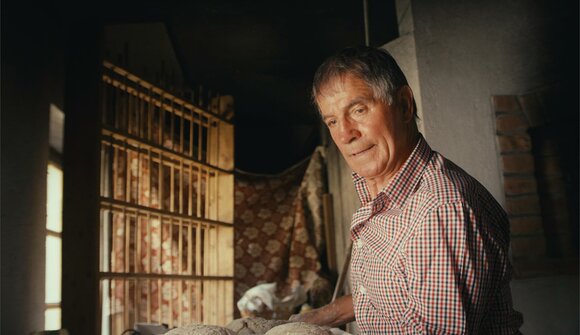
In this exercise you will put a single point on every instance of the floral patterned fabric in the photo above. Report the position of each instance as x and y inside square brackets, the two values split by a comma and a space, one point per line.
[279, 227]
[158, 244]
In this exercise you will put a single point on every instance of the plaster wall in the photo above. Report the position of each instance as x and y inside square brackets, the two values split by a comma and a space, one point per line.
[468, 51]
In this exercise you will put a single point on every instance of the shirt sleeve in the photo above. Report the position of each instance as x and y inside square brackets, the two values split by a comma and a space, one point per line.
[454, 264]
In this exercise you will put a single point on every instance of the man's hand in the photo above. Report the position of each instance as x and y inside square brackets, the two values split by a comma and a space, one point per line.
[335, 314]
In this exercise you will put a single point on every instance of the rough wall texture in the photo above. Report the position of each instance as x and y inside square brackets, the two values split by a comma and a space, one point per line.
[468, 51]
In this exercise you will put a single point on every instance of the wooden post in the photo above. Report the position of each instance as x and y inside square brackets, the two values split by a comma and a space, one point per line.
[329, 231]
[80, 248]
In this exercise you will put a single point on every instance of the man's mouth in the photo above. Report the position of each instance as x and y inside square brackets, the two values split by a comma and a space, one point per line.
[358, 153]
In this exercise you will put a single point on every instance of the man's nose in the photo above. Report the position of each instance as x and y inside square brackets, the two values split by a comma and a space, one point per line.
[348, 132]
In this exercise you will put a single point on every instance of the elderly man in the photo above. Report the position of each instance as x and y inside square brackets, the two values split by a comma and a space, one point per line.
[430, 249]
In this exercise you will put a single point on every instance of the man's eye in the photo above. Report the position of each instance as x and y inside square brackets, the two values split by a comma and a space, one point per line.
[359, 110]
[331, 123]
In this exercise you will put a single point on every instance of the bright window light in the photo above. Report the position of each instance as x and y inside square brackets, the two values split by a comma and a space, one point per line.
[52, 318]
[54, 199]
[53, 262]
[53, 266]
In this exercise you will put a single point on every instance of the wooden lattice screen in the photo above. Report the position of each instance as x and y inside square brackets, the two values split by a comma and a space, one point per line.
[166, 207]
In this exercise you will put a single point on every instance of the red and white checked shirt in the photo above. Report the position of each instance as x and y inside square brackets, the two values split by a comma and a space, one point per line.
[430, 253]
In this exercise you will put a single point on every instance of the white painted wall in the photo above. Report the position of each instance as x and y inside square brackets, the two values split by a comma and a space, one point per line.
[468, 51]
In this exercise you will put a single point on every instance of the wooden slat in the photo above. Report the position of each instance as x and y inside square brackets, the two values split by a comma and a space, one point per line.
[117, 205]
[171, 305]
[189, 287]
[139, 176]
[189, 250]
[161, 125]
[160, 301]
[149, 179]
[146, 85]
[111, 305]
[150, 108]
[160, 183]
[164, 276]
[130, 108]
[225, 197]
[189, 192]
[148, 300]
[149, 245]
[138, 245]
[125, 304]
[198, 307]
[207, 195]
[137, 299]
[215, 196]
[198, 261]
[116, 107]
[126, 242]
[127, 173]
[191, 133]
[103, 170]
[198, 191]
[171, 188]
[180, 303]
[110, 190]
[110, 136]
[181, 177]
[180, 248]
[172, 127]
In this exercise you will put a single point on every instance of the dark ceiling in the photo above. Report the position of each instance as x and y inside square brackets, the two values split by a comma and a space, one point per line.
[264, 53]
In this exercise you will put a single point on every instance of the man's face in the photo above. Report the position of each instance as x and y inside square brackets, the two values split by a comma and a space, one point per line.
[371, 135]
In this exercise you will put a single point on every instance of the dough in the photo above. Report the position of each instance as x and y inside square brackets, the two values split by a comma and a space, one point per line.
[196, 329]
[296, 328]
[250, 326]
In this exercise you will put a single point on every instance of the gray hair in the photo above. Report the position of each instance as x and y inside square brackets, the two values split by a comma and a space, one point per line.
[376, 67]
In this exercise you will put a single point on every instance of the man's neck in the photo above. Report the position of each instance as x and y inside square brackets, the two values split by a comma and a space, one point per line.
[375, 185]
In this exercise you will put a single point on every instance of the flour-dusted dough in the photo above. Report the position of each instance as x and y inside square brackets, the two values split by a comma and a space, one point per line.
[296, 328]
[251, 326]
[196, 329]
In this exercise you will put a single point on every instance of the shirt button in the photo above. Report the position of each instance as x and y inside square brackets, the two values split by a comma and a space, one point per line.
[362, 289]
[359, 243]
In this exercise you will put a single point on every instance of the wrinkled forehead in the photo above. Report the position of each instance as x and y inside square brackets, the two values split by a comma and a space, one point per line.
[337, 82]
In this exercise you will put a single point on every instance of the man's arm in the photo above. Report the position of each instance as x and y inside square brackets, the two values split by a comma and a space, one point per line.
[337, 313]
[455, 266]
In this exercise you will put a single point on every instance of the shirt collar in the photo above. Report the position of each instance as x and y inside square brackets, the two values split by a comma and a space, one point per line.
[404, 182]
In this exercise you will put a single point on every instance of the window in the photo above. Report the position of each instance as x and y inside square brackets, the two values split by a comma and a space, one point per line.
[166, 250]
[53, 261]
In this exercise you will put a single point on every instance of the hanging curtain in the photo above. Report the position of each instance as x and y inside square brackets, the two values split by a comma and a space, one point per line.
[279, 226]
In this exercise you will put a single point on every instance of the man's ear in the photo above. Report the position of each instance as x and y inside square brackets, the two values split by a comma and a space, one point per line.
[405, 97]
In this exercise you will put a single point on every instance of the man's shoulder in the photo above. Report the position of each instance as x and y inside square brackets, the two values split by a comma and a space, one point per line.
[445, 182]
